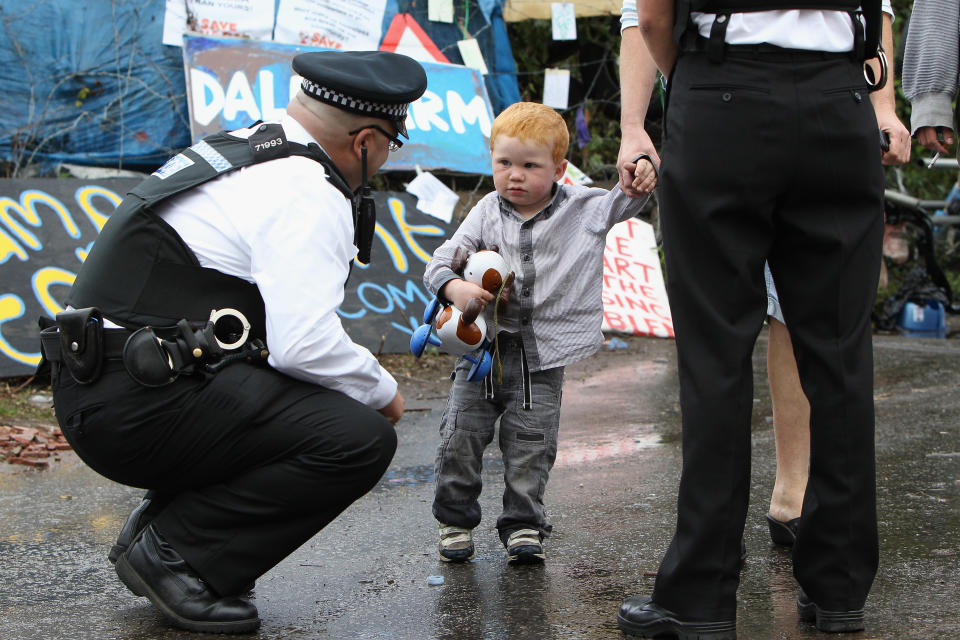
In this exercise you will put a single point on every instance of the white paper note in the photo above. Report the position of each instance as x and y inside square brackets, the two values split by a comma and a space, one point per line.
[470, 52]
[564, 21]
[440, 10]
[434, 198]
[556, 88]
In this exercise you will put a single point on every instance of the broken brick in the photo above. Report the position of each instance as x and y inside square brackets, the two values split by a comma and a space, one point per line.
[28, 462]
[26, 432]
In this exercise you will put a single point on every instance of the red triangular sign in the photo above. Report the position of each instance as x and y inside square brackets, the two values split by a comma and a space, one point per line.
[407, 37]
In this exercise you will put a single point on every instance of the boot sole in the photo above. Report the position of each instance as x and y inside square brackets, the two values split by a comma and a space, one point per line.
[133, 586]
[526, 556]
[831, 621]
[681, 630]
[129, 576]
[458, 558]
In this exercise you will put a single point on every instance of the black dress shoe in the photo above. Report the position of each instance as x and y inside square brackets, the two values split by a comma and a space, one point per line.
[154, 568]
[135, 522]
[829, 621]
[640, 616]
[784, 533]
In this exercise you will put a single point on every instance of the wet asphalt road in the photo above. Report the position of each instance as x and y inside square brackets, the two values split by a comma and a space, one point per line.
[612, 501]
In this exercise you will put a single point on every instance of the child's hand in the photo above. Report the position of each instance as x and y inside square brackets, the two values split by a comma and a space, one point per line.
[645, 175]
[460, 292]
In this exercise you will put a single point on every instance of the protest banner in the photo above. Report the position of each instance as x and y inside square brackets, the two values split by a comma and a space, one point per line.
[634, 295]
[232, 83]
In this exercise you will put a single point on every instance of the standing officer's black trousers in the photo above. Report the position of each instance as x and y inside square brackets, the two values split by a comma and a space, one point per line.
[247, 464]
[771, 156]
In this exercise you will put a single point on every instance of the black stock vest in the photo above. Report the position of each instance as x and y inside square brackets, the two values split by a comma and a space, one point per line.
[140, 271]
[871, 12]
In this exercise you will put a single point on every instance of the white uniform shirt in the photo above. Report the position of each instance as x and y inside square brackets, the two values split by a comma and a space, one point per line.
[815, 29]
[282, 226]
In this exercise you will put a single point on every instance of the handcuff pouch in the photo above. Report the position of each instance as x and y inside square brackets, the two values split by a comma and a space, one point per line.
[81, 343]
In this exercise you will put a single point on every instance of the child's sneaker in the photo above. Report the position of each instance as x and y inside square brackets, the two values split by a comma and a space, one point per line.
[456, 544]
[524, 547]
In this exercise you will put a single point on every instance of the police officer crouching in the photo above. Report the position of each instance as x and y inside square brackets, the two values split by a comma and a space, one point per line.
[201, 356]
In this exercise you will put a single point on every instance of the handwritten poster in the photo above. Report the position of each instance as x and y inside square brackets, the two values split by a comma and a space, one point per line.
[634, 295]
[353, 25]
[227, 18]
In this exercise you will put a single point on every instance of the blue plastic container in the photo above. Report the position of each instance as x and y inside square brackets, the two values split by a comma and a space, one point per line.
[928, 321]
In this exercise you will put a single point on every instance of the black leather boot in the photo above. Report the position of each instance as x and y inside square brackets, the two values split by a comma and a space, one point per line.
[135, 522]
[829, 621]
[640, 616]
[154, 568]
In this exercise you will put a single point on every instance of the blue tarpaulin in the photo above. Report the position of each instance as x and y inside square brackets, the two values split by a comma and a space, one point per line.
[91, 82]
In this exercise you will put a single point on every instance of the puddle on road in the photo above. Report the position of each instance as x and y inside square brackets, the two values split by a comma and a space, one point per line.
[577, 453]
[408, 476]
[570, 454]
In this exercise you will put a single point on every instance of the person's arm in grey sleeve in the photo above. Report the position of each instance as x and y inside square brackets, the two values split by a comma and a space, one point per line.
[930, 68]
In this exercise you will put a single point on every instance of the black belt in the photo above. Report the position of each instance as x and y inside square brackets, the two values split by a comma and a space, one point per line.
[763, 51]
[113, 341]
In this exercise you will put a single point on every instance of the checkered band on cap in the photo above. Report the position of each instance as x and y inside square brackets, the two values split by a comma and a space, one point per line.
[358, 105]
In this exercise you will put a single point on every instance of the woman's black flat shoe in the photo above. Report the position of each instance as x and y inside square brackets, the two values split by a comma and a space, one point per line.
[784, 533]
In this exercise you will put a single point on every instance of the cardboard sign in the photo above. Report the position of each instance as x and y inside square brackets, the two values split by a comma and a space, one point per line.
[634, 296]
[232, 83]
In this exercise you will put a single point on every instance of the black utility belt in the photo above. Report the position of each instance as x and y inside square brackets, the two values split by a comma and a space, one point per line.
[153, 357]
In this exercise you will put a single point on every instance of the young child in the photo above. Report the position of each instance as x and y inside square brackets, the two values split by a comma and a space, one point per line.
[552, 237]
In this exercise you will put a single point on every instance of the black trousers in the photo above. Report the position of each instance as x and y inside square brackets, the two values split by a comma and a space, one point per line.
[771, 156]
[246, 465]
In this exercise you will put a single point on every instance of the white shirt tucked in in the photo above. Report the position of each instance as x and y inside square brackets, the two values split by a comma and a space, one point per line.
[814, 29]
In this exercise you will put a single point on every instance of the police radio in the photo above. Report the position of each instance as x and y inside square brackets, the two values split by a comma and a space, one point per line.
[365, 218]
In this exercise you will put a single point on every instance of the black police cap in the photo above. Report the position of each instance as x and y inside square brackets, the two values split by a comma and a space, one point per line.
[380, 84]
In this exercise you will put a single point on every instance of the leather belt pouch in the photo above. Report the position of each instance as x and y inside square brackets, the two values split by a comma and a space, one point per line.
[81, 343]
[146, 359]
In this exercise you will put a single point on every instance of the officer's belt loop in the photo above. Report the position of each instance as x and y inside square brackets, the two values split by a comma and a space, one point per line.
[858, 37]
[718, 36]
